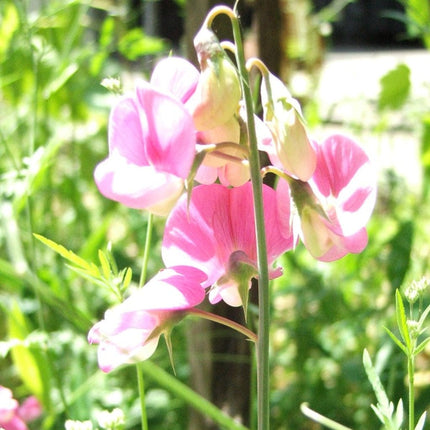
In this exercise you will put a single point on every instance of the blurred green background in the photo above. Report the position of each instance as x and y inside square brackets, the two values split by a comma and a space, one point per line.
[53, 131]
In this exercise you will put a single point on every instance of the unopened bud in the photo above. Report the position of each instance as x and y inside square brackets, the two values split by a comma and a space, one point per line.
[216, 98]
[316, 234]
[282, 114]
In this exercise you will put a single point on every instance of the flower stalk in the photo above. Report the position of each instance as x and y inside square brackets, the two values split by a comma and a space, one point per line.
[263, 271]
[142, 279]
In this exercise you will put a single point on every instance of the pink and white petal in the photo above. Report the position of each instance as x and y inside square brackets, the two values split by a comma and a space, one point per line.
[278, 240]
[229, 293]
[206, 175]
[15, 423]
[127, 347]
[286, 220]
[30, 409]
[125, 131]
[233, 174]
[138, 187]
[339, 159]
[344, 245]
[357, 201]
[168, 132]
[177, 76]
[172, 289]
[189, 232]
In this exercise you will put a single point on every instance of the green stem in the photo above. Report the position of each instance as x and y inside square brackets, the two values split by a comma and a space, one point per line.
[321, 419]
[411, 371]
[182, 391]
[145, 258]
[224, 321]
[263, 389]
[142, 280]
[141, 387]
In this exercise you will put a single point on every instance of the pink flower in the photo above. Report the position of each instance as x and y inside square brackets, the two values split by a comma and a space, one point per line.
[151, 141]
[130, 331]
[215, 233]
[336, 204]
[13, 416]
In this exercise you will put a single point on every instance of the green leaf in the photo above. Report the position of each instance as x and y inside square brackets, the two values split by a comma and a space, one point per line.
[127, 278]
[374, 380]
[395, 87]
[423, 316]
[421, 346]
[402, 321]
[106, 269]
[90, 268]
[137, 44]
[29, 361]
[396, 340]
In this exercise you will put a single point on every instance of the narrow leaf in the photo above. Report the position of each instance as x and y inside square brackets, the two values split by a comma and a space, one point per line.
[127, 278]
[396, 340]
[402, 321]
[29, 361]
[375, 381]
[65, 253]
[421, 346]
[106, 270]
[423, 316]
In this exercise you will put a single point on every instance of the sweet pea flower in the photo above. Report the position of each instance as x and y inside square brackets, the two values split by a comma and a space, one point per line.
[130, 331]
[290, 149]
[14, 416]
[215, 232]
[151, 140]
[336, 204]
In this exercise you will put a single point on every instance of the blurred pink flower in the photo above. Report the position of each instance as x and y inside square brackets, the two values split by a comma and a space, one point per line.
[336, 204]
[151, 140]
[130, 331]
[12, 415]
[216, 234]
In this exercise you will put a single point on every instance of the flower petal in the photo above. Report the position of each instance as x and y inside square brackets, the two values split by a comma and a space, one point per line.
[176, 76]
[138, 187]
[125, 131]
[167, 130]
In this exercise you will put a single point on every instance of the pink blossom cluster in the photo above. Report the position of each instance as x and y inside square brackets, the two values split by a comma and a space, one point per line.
[14, 416]
[186, 128]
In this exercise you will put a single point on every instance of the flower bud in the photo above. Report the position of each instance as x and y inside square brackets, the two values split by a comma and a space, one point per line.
[315, 230]
[292, 150]
[216, 98]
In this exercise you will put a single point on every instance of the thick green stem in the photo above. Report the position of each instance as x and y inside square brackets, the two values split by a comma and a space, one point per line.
[263, 388]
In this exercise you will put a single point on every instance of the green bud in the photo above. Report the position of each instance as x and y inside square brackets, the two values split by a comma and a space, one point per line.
[217, 96]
